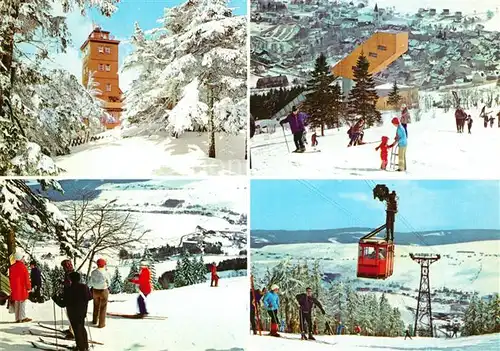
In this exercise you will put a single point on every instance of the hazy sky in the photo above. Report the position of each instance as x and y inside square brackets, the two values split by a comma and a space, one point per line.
[327, 204]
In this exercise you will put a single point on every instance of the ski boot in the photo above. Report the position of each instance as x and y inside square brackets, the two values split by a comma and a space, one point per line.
[303, 336]
[301, 150]
[311, 337]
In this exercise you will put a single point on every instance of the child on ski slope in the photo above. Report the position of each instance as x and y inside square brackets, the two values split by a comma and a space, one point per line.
[384, 151]
[314, 139]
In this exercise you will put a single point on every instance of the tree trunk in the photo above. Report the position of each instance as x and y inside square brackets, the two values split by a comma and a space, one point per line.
[91, 259]
[11, 242]
[211, 127]
[322, 129]
[7, 53]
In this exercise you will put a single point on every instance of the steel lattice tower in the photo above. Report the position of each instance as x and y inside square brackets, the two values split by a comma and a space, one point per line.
[423, 314]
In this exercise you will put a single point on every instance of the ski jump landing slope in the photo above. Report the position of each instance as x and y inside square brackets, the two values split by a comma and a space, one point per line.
[198, 318]
[352, 342]
[435, 150]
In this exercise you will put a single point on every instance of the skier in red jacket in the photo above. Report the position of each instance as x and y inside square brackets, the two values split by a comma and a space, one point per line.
[384, 151]
[20, 286]
[215, 278]
[144, 282]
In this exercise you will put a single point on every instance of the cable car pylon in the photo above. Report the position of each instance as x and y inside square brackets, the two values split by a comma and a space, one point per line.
[376, 255]
[424, 309]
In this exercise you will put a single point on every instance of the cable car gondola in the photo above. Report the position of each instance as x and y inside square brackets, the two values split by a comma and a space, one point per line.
[376, 255]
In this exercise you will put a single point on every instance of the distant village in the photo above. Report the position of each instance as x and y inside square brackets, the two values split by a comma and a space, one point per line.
[445, 47]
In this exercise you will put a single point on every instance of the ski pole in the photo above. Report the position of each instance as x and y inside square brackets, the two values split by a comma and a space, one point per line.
[284, 136]
[55, 324]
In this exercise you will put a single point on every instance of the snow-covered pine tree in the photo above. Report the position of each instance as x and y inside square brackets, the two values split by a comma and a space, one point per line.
[363, 97]
[148, 257]
[116, 285]
[23, 209]
[324, 100]
[192, 71]
[201, 270]
[470, 326]
[34, 24]
[129, 287]
[365, 319]
[383, 317]
[351, 308]
[179, 277]
[337, 295]
[394, 98]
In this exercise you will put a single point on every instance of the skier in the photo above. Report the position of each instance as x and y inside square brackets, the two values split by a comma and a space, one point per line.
[144, 282]
[254, 305]
[405, 118]
[340, 328]
[76, 298]
[306, 303]
[484, 116]
[215, 278]
[357, 330]
[20, 286]
[469, 123]
[384, 151]
[498, 119]
[356, 133]
[407, 334]
[314, 139]
[455, 331]
[36, 283]
[328, 328]
[67, 266]
[100, 282]
[297, 121]
[272, 304]
[492, 120]
[460, 117]
[402, 144]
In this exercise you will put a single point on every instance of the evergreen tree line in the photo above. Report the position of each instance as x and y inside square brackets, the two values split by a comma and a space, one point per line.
[342, 304]
[325, 102]
[482, 317]
[264, 106]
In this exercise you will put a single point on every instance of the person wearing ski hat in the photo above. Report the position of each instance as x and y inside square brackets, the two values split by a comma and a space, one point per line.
[214, 277]
[307, 302]
[297, 121]
[402, 144]
[272, 304]
[144, 282]
[100, 282]
[36, 283]
[67, 267]
[405, 118]
[20, 286]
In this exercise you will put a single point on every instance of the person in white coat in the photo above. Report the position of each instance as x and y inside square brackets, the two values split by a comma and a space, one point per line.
[100, 282]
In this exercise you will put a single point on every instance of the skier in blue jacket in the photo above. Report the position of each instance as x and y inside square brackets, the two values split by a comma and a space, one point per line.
[272, 303]
[402, 141]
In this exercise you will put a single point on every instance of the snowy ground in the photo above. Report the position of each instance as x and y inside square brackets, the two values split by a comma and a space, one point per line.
[349, 342]
[434, 149]
[143, 157]
[194, 321]
[457, 269]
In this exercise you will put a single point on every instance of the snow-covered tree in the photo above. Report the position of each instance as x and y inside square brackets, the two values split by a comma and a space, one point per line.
[188, 271]
[394, 99]
[116, 285]
[148, 257]
[192, 71]
[23, 210]
[129, 287]
[29, 32]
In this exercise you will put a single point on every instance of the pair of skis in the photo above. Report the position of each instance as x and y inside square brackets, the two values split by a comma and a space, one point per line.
[43, 344]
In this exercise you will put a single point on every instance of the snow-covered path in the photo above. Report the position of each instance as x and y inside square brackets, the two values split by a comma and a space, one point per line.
[143, 157]
[198, 318]
[351, 342]
[435, 150]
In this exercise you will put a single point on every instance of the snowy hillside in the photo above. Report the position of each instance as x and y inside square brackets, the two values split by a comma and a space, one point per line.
[433, 144]
[348, 343]
[194, 321]
[116, 156]
[463, 267]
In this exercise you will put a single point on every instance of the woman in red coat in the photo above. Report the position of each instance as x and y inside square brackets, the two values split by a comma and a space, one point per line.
[20, 287]
[144, 282]
[215, 278]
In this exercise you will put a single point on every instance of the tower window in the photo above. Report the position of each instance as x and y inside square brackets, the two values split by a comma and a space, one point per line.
[108, 68]
[108, 87]
[100, 67]
[101, 50]
[107, 50]
[372, 54]
[382, 48]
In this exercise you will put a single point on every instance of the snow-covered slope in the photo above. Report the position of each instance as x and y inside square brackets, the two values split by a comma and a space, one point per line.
[143, 157]
[196, 320]
[348, 342]
[434, 148]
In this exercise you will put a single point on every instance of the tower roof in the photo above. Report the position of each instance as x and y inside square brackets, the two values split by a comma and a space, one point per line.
[99, 35]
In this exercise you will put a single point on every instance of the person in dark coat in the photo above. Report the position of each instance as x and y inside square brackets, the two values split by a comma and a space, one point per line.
[306, 302]
[36, 283]
[407, 334]
[469, 123]
[76, 298]
[254, 305]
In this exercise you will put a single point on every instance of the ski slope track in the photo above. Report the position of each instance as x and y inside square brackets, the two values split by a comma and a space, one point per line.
[434, 150]
[351, 342]
[196, 320]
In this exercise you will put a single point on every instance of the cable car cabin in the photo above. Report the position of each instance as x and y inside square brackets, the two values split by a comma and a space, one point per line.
[375, 258]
